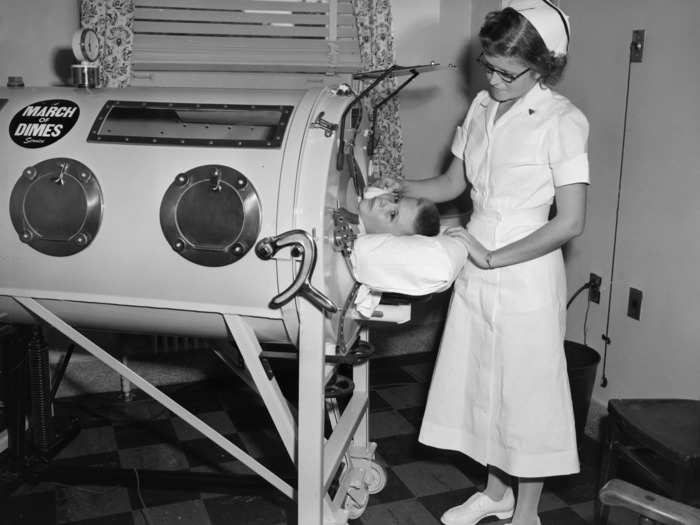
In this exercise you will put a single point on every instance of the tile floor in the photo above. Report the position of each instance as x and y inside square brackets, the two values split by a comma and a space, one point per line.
[140, 434]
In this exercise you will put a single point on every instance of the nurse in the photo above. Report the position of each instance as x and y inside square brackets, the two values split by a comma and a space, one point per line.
[500, 391]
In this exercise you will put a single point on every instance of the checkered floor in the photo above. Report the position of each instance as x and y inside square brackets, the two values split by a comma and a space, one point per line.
[140, 434]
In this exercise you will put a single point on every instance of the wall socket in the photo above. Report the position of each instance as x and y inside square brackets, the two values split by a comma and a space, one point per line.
[594, 290]
[634, 304]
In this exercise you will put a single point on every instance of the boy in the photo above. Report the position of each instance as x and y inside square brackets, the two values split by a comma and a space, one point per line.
[381, 212]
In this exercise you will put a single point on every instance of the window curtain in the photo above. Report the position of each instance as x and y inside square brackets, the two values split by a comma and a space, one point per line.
[113, 20]
[373, 18]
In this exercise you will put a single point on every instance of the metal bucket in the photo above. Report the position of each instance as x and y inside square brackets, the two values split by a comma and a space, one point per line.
[582, 363]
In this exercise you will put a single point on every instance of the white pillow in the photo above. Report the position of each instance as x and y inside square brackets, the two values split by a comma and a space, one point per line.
[407, 264]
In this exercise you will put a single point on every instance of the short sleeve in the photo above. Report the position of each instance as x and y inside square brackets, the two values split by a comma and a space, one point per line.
[568, 147]
[459, 142]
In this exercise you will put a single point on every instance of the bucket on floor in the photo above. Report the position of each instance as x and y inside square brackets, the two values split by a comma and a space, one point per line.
[582, 363]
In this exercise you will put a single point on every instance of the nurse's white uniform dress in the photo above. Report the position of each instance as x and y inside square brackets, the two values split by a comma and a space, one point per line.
[500, 390]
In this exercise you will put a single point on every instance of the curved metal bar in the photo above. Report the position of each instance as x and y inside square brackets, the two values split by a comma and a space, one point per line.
[341, 130]
[269, 246]
[377, 77]
[373, 137]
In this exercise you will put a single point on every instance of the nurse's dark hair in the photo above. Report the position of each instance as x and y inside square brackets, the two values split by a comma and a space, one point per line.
[508, 33]
[427, 220]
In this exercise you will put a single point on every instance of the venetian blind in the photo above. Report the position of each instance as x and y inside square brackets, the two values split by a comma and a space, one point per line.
[245, 35]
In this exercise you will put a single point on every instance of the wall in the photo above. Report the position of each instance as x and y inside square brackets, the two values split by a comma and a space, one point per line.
[433, 103]
[35, 40]
[656, 249]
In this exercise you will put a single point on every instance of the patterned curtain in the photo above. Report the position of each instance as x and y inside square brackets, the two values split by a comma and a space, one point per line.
[377, 52]
[113, 20]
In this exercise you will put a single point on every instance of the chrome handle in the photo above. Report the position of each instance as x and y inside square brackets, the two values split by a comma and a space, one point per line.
[215, 180]
[327, 127]
[58, 179]
[302, 241]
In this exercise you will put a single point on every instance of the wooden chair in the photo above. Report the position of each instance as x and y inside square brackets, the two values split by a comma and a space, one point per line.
[651, 507]
[659, 441]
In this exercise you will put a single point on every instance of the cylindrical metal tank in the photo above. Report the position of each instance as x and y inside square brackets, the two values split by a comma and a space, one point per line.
[138, 209]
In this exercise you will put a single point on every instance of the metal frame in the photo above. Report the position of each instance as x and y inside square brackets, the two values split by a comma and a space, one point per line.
[316, 458]
[274, 142]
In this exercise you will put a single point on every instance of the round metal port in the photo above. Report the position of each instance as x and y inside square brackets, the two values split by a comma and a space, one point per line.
[210, 215]
[56, 206]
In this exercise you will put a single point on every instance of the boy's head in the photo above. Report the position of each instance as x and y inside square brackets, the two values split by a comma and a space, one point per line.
[403, 216]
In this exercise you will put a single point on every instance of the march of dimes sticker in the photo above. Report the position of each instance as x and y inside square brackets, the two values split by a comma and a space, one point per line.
[43, 123]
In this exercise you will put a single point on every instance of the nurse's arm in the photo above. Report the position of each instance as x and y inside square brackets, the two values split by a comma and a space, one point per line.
[567, 224]
[445, 187]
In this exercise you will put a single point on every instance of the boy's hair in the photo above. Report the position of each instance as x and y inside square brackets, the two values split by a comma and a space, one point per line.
[427, 219]
[508, 33]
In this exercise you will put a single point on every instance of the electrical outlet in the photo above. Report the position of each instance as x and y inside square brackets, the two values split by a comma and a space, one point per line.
[594, 291]
[634, 304]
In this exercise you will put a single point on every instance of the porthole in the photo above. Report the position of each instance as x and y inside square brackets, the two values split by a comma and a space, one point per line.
[56, 206]
[211, 215]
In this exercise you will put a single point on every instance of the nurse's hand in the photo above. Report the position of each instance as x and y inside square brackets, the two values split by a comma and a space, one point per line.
[392, 184]
[477, 252]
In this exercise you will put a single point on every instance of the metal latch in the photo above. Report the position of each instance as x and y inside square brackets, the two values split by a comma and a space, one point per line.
[344, 234]
[327, 127]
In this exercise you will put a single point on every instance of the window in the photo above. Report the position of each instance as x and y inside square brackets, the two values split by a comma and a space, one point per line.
[245, 35]
[191, 124]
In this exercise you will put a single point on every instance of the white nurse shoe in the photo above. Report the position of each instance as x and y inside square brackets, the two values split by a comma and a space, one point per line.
[478, 507]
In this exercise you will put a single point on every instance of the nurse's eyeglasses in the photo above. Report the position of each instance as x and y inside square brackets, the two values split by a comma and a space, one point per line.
[505, 76]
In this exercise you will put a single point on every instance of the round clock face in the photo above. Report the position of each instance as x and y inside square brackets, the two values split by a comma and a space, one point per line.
[86, 45]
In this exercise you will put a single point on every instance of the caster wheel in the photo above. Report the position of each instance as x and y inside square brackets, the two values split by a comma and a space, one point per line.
[354, 510]
[375, 477]
[356, 501]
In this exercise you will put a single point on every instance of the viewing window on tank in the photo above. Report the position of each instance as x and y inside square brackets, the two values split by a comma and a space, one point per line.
[215, 125]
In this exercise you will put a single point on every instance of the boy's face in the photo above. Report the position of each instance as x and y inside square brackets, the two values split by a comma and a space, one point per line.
[382, 215]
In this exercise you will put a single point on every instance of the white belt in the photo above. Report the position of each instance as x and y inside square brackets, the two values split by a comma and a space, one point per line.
[537, 215]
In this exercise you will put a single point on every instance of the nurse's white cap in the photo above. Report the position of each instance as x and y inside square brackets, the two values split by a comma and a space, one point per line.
[551, 22]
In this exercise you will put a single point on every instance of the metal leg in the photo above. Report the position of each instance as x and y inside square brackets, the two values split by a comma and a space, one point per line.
[607, 471]
[681, 477]
[269, 390]
[360, 375]
[46, 315]
[310, 492]
[361, 475]
[14, 372]
[306, 441]
[60, 372]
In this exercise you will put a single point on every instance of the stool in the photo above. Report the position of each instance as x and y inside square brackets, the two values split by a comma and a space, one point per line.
[660, 438]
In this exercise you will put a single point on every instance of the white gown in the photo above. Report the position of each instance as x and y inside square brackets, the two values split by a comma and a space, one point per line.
[500, 390]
